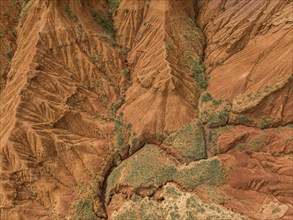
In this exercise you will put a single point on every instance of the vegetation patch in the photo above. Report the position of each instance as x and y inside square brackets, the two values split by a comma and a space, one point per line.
[113, 5]
[84, 210]
[203, 172]
[148, 166]
[257, 144]
[104, 21]
[4, 74]
[68, 11]
[197, 71]
[216, 112]
[188, 144]
[79, 29]
[26, 6]
[243, 119]
[9, 55]
[217, 102]
[219, 118]
[175, 205]
[114, 177]
[116, 106]
[152, 167]
[276, 209]
[206, 97]
[134, 140]
[139, 209]
[126, 74]
[118, 130]
[265, 123]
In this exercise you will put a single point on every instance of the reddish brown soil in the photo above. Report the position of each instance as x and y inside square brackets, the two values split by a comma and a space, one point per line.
[107, 105]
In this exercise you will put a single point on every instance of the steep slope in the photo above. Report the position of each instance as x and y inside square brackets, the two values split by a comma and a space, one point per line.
[11, 12]
[56, 123]
[170, 109]
[249, 49]
[159, 65]
[248, 59]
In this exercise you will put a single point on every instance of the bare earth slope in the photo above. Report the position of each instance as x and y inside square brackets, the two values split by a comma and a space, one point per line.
[147, 109]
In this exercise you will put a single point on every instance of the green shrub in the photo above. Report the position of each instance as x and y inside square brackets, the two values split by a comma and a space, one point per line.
[213, 118]
[198, 73]
[4, 73]
[243, 119]
[103, 21]
[257, 145]
[94, 58]
[265, 123]
[190, 216]
[206, 97]
[174, 215]
[217, 102]
[276, 209]
[113, 5]
[9, 55]
[221, 118]
[134, 140]
[26, 6]
[69, 13]
[116, 106]
[129, 126]
[113, 43]
[79, 28]
[126, 73]
[241, 147]
[223, 115]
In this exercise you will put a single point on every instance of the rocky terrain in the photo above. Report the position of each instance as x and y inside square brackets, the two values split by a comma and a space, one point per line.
[146, 109]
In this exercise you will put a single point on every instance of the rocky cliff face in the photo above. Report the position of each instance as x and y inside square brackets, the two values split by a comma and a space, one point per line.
[147, 109]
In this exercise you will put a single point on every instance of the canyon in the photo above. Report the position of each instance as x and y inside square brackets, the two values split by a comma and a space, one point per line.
[146, 109]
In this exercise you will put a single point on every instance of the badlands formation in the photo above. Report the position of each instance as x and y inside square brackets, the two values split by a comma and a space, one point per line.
[146, 109]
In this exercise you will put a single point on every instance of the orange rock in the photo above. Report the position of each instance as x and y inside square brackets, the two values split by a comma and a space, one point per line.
[86, 84]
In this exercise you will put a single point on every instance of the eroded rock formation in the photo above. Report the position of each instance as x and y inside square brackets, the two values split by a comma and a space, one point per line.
[147, 109]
